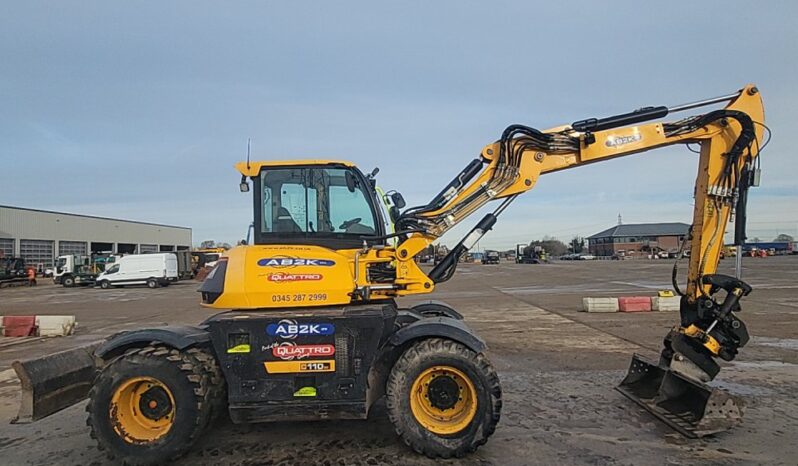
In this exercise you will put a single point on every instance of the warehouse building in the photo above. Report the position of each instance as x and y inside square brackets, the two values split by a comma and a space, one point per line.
[636, 239]
[39, 236]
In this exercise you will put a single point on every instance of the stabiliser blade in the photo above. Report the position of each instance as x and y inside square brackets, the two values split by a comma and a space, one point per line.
[54, 382]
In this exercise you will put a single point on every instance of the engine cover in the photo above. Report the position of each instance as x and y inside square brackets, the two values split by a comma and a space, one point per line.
[272, 276]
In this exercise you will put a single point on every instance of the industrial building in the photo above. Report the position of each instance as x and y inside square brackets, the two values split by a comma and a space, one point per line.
[632, 239]
[39, 236]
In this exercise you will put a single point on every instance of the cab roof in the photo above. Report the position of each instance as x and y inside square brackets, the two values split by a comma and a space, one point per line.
[254, 168]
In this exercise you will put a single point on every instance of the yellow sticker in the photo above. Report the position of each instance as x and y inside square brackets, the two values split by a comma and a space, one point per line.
[289, 367]
[306, 391]
[244, 348]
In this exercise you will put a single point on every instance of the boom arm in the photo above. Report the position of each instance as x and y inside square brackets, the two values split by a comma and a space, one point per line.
[729, 140]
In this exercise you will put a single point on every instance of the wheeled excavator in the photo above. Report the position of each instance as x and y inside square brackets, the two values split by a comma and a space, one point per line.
[311, 329]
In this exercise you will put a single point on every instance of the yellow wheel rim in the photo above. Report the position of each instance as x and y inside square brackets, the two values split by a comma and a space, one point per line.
[443, 400]
[142, 410]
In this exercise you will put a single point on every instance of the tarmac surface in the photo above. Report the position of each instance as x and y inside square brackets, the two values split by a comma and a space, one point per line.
[557, 366]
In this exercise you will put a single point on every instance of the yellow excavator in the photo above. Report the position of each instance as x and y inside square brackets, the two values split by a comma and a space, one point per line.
[311, 328]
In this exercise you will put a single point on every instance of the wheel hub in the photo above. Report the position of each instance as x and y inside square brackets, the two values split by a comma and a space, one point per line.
[443, 392]
[154, 403]
[443, 400]
[142, 410]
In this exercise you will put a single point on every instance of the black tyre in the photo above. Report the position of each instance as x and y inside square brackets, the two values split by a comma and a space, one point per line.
[68, 282]
[443, 399]
[152, 283]
[151, 404]
[105, 284]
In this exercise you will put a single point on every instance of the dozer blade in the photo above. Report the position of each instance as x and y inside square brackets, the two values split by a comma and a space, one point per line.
[54, 382]
[690, 407]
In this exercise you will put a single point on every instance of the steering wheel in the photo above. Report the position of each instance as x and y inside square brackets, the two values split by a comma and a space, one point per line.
[349, 223]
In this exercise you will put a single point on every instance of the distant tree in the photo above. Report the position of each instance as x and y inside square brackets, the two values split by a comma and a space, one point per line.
[551, 245]
[577, 244]
[209, 243]
[783, 237]
[756, 239]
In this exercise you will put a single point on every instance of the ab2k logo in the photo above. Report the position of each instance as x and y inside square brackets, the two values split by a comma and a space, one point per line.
[289, 329]
[294, 261]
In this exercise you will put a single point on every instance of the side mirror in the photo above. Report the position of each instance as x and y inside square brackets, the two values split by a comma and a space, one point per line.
[398, 200]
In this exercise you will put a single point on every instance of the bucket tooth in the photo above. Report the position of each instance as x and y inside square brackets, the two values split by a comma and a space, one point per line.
[690, 407]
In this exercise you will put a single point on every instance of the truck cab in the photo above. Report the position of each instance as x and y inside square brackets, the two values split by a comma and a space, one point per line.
[491, 257]
[73, 270]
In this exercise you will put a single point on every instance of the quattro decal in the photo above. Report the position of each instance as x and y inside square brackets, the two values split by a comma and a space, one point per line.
[293, 367]
[290, 329]
[294, 262]
[292, 351]
[281, 277]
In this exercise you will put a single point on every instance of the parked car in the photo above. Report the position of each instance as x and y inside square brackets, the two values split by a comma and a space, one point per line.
[153, 270]
[585, 257]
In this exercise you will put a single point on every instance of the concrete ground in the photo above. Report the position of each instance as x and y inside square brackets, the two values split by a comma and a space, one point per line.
[557, 367]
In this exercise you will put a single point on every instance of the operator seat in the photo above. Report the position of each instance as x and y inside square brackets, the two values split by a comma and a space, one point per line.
[285, 223]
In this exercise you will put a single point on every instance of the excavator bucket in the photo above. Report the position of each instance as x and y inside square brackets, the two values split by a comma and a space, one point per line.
[54, 382]
[692, 408]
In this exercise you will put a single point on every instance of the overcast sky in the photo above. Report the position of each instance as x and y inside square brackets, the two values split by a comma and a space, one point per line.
[139, 110]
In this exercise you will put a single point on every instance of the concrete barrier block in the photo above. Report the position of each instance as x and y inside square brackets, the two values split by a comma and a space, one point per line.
[670, 303]
[55, 326]
[634, 304]
[600, 304]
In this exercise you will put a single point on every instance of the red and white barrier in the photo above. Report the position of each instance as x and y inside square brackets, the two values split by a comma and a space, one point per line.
[38, 326]
[665, 303]
[634, 304]
[600, 304]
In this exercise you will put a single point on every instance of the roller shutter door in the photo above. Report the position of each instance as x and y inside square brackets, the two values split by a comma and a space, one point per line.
[36, 251]
[6, 247]
[77, 248]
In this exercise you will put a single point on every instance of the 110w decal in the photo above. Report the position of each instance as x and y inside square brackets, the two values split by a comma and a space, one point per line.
[293, 367]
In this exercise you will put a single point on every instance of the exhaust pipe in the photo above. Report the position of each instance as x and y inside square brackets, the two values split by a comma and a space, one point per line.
[687, 405]
[55, 382]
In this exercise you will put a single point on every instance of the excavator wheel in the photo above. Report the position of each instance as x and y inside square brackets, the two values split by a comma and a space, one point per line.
[150, 405]
[443, 399]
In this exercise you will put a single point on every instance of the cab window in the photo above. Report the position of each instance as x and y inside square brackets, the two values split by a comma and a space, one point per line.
[302, 202]
[349, 211]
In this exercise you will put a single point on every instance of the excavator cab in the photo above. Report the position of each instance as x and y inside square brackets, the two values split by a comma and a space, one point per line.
[330, 204]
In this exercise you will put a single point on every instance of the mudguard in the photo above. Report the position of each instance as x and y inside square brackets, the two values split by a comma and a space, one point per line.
[433, 308]
[176, 336]
[442, 327]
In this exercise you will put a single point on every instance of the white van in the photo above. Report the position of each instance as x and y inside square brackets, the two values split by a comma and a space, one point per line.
[153, 270]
